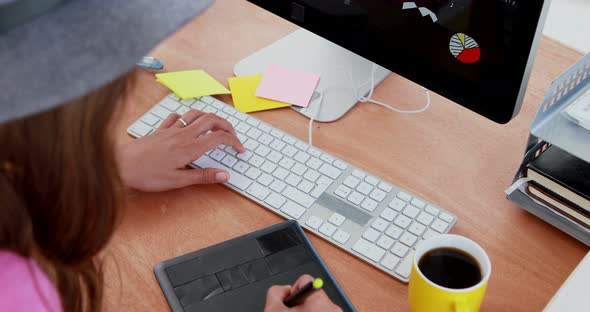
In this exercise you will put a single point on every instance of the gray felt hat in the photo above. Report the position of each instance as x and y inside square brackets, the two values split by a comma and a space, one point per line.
[53, 51]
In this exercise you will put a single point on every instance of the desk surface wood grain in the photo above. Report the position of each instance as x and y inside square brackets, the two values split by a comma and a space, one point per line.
[447, 155]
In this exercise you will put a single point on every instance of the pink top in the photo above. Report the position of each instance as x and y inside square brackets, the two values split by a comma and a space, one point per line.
[24, 286]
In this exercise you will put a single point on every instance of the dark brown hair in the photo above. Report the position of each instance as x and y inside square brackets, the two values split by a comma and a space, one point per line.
[60, 191]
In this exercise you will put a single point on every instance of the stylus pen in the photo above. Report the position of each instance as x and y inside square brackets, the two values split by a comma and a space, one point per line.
[299, 296]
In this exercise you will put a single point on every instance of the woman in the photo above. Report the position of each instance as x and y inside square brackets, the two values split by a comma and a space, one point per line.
[62, 179]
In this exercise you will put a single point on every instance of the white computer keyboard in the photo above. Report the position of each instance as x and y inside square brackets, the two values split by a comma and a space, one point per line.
[358, 212]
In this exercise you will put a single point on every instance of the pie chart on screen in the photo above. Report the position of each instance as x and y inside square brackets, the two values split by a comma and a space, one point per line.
[464, 48]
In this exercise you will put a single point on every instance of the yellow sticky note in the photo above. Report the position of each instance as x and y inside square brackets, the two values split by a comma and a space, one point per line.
[191, 84]
[242, 92]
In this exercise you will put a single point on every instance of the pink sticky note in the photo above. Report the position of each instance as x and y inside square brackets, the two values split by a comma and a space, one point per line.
[289, 86]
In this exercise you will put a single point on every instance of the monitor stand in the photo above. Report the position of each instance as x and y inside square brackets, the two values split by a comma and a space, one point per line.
[303, 50]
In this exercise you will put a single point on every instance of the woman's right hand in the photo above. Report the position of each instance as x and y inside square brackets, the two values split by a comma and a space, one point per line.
[318, 301]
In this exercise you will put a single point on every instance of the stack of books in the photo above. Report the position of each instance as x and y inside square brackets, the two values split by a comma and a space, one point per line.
[561, 181]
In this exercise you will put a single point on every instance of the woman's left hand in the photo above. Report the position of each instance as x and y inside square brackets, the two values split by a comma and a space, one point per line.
[158, 161]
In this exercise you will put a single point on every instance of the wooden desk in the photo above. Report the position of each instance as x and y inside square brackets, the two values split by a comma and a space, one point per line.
[447, 155]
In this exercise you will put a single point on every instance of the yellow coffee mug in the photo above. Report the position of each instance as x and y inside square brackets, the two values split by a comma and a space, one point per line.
[426, 296]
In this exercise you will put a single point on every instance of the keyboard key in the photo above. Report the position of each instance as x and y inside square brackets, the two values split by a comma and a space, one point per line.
[359, 174]
[241, 116]
[241, 167]
[274, 156]
[258, 191]
[289, 139]
[251, 145]
[318, 190]
[217, 155]
[342, 191]
[212, 101]
[253, 173]
[198, 105]
[390, 261]
[311, 175]
[341, 237]
[264, 128]
[385, 187]
[242, 127]
[275, 200]
[371, 235]
[368, 250]
[402, 221]
[293, 179]
[380, 224]
[174, 96]
[378, 195]
[418, 243]
[351, 181]
[280, 173]
[210, 110]
[229, 110]
[302, 146]
[301, 157]
[394, 231]
[305, 186]
[429, 234]
[256, 161]
[397, 204]
[265, 179]
[293, 210]
[337, 219]
[278, 186]
[314, 222]
[405, 268]
[262, 150]
[432, 210]
[330, 171]
[425, 218]
[286, 163]
[314, 163]
[372, 180]
[327, 229]
[140, 128]
[417, 229]
[252, 121]
[298, 197]
[268, 167]
[183, 110]
[235, 179]
[399, 249]
[411, 211]
[265, 139]
[369, 204]
[323, 180]
[327, 158]
[388, 214]
[404, 196]
[170, 104]
[161, 112]
[439, 225]
[289, 151]
[356, 198]
[229, 161]
[385, 242]
[446, 217]
[298, 169]
[150, 119]
[277, 145]
[364, 188]
[408, 239]
[230, 150]
[340, 165]
[276, 133]
[314, 152]
[418, 203]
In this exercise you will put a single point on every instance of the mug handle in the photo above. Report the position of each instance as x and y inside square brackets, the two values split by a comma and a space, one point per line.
[460, 305]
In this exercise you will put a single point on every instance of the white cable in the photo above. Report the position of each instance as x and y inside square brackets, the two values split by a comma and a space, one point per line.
[364, 99]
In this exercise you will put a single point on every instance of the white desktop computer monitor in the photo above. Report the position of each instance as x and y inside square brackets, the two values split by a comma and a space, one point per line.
[477, 53]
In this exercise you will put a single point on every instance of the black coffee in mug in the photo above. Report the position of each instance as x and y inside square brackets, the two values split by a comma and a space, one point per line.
[450, 268]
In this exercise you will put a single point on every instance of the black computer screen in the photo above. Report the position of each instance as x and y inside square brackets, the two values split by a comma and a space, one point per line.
[475, 52]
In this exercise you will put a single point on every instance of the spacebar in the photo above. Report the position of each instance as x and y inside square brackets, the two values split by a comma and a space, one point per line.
[235, 178]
